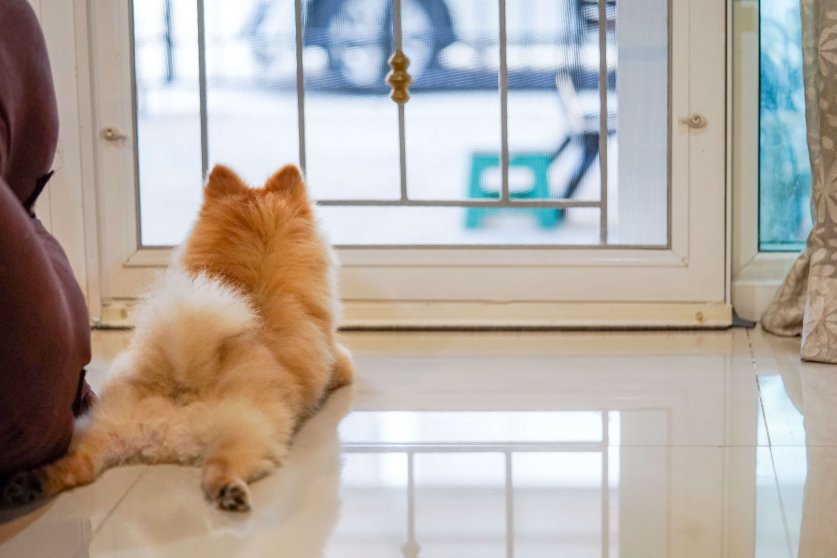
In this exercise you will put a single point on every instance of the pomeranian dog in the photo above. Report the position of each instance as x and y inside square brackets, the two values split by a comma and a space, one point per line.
[234, 347]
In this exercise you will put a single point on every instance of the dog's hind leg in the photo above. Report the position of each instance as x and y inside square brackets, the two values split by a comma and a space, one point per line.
[246, 446]
[343, 372]
[90, 453]
[121, 430]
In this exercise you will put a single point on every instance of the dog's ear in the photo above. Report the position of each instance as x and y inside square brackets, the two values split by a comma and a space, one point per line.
[223, 182]
[288, 181]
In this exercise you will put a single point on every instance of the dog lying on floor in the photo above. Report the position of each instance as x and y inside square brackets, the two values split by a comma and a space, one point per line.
[234, 347]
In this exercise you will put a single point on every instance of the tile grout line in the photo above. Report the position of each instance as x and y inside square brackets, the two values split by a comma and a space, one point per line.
[116, 505]
[758, 390]
[770, 447]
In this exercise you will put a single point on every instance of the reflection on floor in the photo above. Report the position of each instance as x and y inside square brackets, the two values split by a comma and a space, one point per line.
[525, 445]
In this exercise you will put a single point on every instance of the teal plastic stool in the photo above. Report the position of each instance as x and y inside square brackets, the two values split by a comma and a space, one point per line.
[538, 163]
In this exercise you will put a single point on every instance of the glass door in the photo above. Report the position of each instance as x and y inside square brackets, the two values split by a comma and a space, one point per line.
[476, 162]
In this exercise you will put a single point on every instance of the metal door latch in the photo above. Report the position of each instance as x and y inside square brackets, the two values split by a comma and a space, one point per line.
[694, 121]
[112, 133]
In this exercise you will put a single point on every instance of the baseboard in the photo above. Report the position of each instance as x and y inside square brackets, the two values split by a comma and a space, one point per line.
[118, 314]
[534, 315]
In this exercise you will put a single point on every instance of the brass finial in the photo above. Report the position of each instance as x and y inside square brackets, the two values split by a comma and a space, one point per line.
[398, 78]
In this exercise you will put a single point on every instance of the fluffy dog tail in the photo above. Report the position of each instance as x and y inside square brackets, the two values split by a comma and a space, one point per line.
[187, 318]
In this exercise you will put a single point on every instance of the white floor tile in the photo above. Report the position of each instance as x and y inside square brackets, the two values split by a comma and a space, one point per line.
[165, 514]
[67, 524]
[799, 398]
[772, 536]
[450, 444]
[685, 389]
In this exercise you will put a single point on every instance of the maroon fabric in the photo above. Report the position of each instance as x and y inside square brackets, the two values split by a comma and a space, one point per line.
[44, 326]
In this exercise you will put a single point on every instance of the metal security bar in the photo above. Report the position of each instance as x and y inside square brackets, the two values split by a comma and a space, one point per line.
[204, 109]
[399, 62]
[300, 79]
[603, 116]
[504, 106]
[461, 203]
[402, 135]
[505, 200]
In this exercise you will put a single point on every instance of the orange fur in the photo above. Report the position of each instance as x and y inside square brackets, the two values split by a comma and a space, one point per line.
[234, 347]
[266, 242]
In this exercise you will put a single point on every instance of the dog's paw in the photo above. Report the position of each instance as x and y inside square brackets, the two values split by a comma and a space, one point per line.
[21, 488]
[234, 496]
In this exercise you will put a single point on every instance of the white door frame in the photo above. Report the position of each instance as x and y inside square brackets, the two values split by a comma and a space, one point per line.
[756, 276]
[68, 206]
[684, 285]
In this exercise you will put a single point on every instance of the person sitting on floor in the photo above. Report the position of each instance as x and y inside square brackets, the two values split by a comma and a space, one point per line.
[44, 325]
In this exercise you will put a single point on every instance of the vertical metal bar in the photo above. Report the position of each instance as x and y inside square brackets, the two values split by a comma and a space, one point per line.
[168, 39]
[509, 506]
[603, 119]
[398, 36]
[300, 81]
[402, 141]
[397, 33]
[504, 106]
[202, 88]
[605, 486]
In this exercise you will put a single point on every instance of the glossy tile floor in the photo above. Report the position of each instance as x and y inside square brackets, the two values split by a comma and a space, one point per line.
[499, 445]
